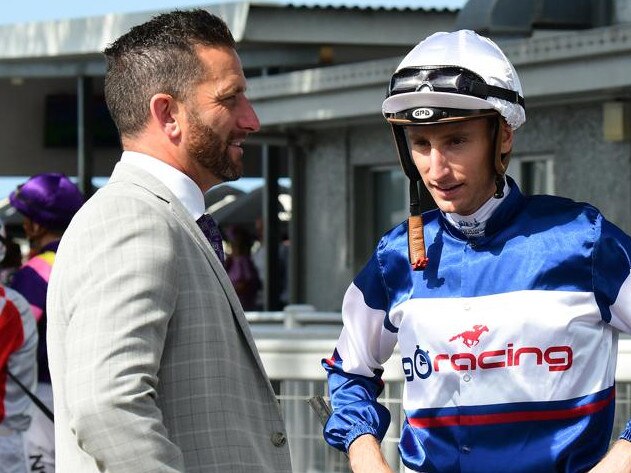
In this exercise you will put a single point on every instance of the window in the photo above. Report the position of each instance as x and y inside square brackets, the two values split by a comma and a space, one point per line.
[380, 201]
[533, 174]
[390, 199]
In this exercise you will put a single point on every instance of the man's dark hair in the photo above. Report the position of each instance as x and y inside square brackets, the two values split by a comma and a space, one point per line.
[158, 57]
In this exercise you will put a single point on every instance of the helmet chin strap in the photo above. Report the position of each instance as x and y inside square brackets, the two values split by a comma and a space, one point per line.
[498, 160]
[499, 186]
[416, 237]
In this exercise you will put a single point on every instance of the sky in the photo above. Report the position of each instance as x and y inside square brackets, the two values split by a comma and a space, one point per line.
[43, 10]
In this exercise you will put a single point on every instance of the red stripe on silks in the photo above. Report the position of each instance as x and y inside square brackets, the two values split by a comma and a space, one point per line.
[505, 418]
[330, 361]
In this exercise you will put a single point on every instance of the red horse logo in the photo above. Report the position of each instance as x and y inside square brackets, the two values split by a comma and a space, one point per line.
[471, 337]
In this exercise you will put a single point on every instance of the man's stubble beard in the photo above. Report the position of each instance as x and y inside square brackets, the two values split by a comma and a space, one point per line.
[208, 149]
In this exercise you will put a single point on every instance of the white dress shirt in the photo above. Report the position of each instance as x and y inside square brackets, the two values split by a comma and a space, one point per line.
[182, 186]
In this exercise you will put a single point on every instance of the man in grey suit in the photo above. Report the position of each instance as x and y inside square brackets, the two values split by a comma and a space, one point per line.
[153, 366]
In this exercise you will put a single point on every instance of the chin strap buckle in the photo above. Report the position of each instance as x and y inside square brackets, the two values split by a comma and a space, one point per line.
[420, 264]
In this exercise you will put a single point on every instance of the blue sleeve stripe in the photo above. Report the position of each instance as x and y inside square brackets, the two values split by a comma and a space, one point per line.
[370, 282]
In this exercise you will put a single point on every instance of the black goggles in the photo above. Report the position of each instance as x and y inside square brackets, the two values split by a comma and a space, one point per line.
[448, 79]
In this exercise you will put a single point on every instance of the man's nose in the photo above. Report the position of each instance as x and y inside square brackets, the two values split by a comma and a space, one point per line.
[249, 120]
[438, 164]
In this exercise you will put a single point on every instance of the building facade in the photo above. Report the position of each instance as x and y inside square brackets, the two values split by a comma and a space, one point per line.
[318, 88]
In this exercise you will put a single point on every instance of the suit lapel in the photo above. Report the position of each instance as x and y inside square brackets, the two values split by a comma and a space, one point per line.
[139, 177]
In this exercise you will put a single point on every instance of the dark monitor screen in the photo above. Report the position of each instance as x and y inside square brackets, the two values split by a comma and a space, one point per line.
[60, 123]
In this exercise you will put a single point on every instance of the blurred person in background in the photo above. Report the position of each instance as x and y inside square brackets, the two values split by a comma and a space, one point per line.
[240, 267]
[12, 260]
[258, 257]
[18, 359]
[47, 202]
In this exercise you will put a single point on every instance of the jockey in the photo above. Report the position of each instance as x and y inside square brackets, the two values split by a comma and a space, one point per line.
[48, 203]
[507, 323]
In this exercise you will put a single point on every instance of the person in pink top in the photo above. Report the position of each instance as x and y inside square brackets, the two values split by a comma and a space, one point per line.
[47, 202]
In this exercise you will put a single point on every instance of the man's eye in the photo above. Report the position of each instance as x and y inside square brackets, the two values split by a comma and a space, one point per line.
[420, 143]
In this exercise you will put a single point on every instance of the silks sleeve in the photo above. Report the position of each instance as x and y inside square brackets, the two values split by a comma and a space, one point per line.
[612, 275]
[354, 371]
[612, 281]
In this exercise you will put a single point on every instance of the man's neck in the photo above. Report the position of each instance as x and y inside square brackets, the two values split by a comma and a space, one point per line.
[474, 225]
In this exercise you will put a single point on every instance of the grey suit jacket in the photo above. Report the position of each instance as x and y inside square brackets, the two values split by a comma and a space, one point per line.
[153, 365]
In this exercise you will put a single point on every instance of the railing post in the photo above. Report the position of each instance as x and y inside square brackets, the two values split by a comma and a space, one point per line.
[292, 311]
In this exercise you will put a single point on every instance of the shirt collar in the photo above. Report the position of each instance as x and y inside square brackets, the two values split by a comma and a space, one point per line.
[182, 186]
[501, 216]
[473, 226]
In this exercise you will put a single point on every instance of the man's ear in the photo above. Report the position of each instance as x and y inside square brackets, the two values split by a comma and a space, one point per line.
[507, 138]
[166, 114]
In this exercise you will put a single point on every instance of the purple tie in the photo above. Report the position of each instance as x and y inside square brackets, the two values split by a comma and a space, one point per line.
[210, 229]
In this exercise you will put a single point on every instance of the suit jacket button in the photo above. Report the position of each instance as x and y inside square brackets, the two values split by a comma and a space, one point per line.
[279, 439]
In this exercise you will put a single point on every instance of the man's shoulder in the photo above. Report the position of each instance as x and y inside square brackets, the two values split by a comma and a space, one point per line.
[119, 213]
[120, 198]
[123, 189]
[557, 205]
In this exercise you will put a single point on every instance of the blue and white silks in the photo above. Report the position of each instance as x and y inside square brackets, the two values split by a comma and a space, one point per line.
[508, 342]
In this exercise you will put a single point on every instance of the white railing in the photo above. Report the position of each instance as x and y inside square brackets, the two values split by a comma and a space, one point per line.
[292, 344]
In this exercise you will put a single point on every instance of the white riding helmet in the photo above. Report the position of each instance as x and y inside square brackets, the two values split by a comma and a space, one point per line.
[455, 72]
[450, 77]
